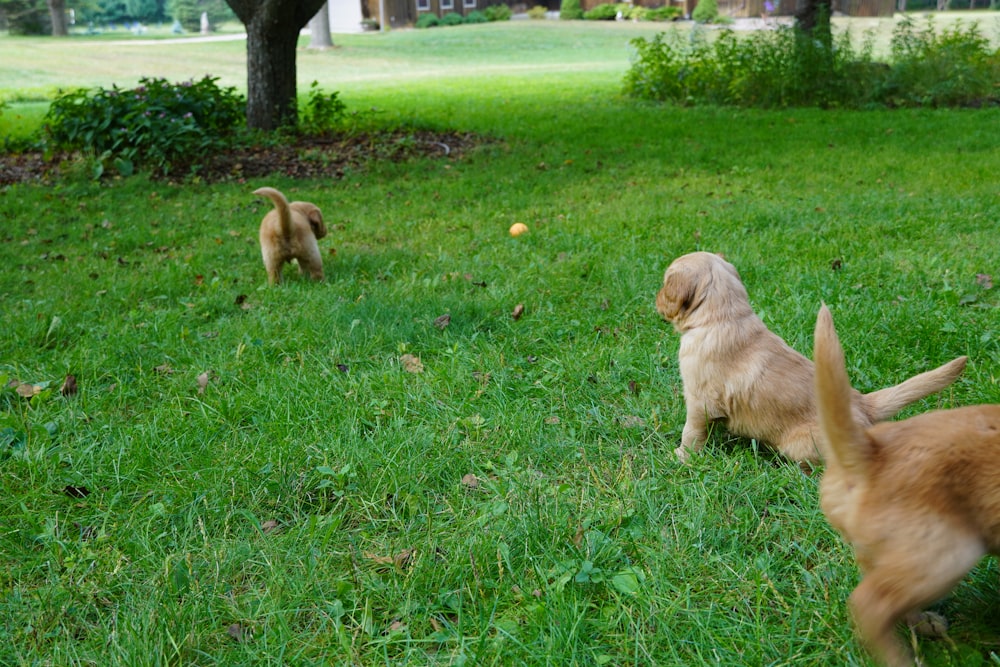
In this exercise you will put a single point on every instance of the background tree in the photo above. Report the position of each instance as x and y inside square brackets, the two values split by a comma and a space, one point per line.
[319, 29]
[273, 28]
[57, 14]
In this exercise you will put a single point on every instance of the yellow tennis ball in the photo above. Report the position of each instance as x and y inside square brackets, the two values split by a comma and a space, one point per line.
[518, 228]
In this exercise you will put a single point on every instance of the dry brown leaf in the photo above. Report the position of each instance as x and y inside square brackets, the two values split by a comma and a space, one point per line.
[435, 625]
[442, 321]
[411, 364]
[631, 421]
[239, 632]
[203, 382]
[68, 387]
[396, 626]
[269, 526]
[27, 390]
[984, 280]
[164, 369]
[518, 311]
[552, 420]
[470, 481]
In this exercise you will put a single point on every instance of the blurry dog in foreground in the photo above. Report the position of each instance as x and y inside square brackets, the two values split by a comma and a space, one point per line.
[290, 232]
[735, 369]
[919, 499]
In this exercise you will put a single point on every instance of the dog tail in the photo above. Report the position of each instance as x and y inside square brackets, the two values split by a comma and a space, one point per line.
[280, 205]
[885, 403]
[846, 442]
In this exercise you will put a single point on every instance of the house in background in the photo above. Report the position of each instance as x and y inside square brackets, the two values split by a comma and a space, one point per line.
[401, 13]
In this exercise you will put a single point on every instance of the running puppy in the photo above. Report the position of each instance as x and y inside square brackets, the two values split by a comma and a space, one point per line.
[290, 232]
[919, 499]
[735, 369]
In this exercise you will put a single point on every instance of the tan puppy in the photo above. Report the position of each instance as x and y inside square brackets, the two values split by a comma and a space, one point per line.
[290, 232]
[918, 499]
[734, 368]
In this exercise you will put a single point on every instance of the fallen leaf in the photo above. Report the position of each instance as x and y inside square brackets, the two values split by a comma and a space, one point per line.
[411, 364]
[27, 390]
[442, 321]
[238, 632]
[552, 420]
[342, 368]
[397, 626]
[837, 264]
[68, 387]
[470, 481]
[631, 421]
[633, 387]
[164, 369]
[984, 280]
[203, 382]
[269, 526]
[435, 625]
[518, 311]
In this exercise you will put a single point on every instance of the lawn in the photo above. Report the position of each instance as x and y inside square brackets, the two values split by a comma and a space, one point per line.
[335, 473]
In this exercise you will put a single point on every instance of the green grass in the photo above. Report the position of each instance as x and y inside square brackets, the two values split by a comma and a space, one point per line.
[311, 499]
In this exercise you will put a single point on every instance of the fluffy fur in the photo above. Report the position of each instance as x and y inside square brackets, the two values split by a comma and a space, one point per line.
[918, 499]
[734, 369]
[290, 232]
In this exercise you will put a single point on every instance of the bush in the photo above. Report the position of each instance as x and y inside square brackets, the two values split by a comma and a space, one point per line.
[322, 113]
[427, 21]
[499, 12]
[570, 10]
[452, 18]
[706, 11]
[789, 67]
[607, 12]
[540, 12]
[156, 125]
[476, 16]
[665, 13]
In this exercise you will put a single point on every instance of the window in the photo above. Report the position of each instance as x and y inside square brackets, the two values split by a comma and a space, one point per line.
[469, 4]
[447, 4]
[423, 5]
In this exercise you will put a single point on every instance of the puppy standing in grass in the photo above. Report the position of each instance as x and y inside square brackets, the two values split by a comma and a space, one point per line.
[919, 499]
[735, 369]
[290, 232]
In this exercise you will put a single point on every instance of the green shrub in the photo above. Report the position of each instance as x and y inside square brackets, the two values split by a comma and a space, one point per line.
[452, 18]
[499, 12]
[476, 16]
[706, 11]
[156, 125]
[570, 10]
[665, 13]
[607, 11]
[427, 21]
[954, 68]
[321, 113]
[538, 12]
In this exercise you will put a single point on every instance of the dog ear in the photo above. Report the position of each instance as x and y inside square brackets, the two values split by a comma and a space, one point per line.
[316, 222]
[678, 295]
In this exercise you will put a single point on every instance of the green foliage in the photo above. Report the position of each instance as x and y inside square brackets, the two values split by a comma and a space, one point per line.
[476, 16]
[427, 21]
[954, 68]
[664, 13]
[501, 12]
[153, 126]
[786, 67]
[27, 17]
[452, 18]
[188, 12]
[570, 10]
[608, 11]
[538, 12]
[322, 113]
[706, 11]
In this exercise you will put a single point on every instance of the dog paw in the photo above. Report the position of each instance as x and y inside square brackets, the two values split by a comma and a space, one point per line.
[929, 624]
[682, 454]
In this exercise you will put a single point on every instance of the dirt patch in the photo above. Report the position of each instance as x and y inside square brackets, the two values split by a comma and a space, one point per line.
[304, 157]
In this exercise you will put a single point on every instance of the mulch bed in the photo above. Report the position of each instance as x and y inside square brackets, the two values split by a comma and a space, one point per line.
[304, 157]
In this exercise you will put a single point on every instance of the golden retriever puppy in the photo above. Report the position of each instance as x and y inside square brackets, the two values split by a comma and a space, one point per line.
[290, 232]
[919, 499]
[734, 369]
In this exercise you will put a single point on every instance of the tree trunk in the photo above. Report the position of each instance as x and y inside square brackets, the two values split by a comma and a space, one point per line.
[319, 29]
[273, 28]
[57, 11]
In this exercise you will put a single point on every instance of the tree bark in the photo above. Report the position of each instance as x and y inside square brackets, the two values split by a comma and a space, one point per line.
[57, 11]
[319, 29]
[273, 28]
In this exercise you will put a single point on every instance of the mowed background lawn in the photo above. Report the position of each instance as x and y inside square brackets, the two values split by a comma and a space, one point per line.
[261, 476]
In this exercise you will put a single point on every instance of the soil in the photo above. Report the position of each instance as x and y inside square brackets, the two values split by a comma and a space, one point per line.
[323, 156]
